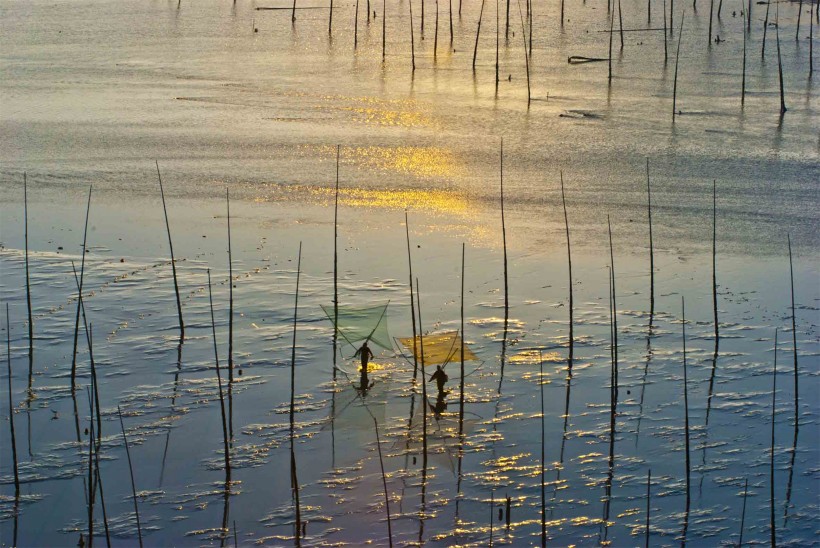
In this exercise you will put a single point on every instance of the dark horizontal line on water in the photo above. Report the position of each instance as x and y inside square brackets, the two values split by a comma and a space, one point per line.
[625, 30]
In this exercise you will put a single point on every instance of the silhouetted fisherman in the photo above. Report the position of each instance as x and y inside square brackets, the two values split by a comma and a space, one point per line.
[365, 354]
[441, 379]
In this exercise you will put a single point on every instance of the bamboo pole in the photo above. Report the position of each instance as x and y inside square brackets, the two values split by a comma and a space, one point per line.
[543, 480]
[28, 288]
[569, 265]
[771, 459]
[91, 487]
[77, 317]
[765, 26]
[711, 17]
[648, 500]
[743, 512]
[412, 302]
[356, 27]
[526, 53]
[685, 403]
[384, 29]
[230, 322]
[477, 33]
[131, 471]
[651, 247]
[336, 264]
[294, 479]
[621, 24]
[743, 82]
[779, 60]
[451, 25]
[412, 36]
[11, 408]
[714, 257]
[497, 32]
[423, 382]
[677, 59]
[173, 262]
[614, 311]
[609, 57]
[435, 35]
[794, 338]
[504, 236]
[384, 482]
[330, 19]
[461, 352]
[219, 383]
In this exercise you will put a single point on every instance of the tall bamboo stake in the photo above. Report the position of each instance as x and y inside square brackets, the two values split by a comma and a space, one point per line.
[173, 262]
[779, 60]
[665, 37]
[412, 36]
[569, 265]
[424, 403]
[131, 471]
[685, 402]
[91, 488]
[293, 13]
[794, 337]
[219, 384]
[648, 500]
[711, 17]
[477, 33]
[526, 54]
[461, 351]
[765, 26]
[621, 24]
[435, 35]
[677, 59]
[714, 256]
[336, 264]
[230, 322]
[771, 459]
[11, 407]
[384, 29]
[294, 479]
[28, 288]
[384, 482]
[811, 39]
[743, 512]
[412, 302]
[504, 236]
[507, 24]
[609, 58]
[651, 247]
[356, 27]
[451, 25]
[743, 82]
[614, 311]
[330, 19]
[749, 17]
[97, 475]
[543, 480]
[497, 32]
[77, 318]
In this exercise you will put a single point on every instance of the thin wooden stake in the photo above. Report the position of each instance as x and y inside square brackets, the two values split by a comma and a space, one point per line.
[173, 262]
[714, 257]
[526, 53]
[384, 29]
[412, 36]
[651, 247]
[11, 407]
[412, 302]
[504, 235]
[794, 338]
[28, 288]
[569, 265]
[743, 82]
[614, 312]
[230, 322]
[77, 318]
[497, 32]
[685, 403]
[384, 482]
[743, 512]
[330, 19]
[765, 26]
[677, 59]
[779, 60]
[477, 33]
[356, 27]
[131, 471]
[648, 500]
[219, 384]
[711, 17]
[294, 479]
[771, 460]
[543, 479]
[424, 403]
[336, 263]
[461, 352]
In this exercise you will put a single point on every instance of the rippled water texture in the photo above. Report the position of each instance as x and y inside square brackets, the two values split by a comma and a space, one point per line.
[94, 92]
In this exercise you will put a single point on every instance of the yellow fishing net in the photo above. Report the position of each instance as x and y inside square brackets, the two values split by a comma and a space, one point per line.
[439, 348]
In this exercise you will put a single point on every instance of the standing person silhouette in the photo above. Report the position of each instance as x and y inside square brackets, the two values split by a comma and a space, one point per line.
[366, 354]
[441, 378]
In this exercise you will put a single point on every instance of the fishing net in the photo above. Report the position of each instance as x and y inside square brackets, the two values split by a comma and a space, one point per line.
[439, 348]
[356, 324]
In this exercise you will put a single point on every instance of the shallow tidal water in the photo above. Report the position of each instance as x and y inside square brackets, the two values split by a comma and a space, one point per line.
[94, 92]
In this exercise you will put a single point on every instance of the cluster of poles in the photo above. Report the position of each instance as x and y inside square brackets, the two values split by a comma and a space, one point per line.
[613, 6]
[94, 430]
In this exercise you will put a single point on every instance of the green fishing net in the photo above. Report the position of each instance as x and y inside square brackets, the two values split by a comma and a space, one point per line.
[355, 324]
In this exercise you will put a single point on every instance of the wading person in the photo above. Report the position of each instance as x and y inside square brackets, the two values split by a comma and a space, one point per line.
[441, 378]
[365, 354]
